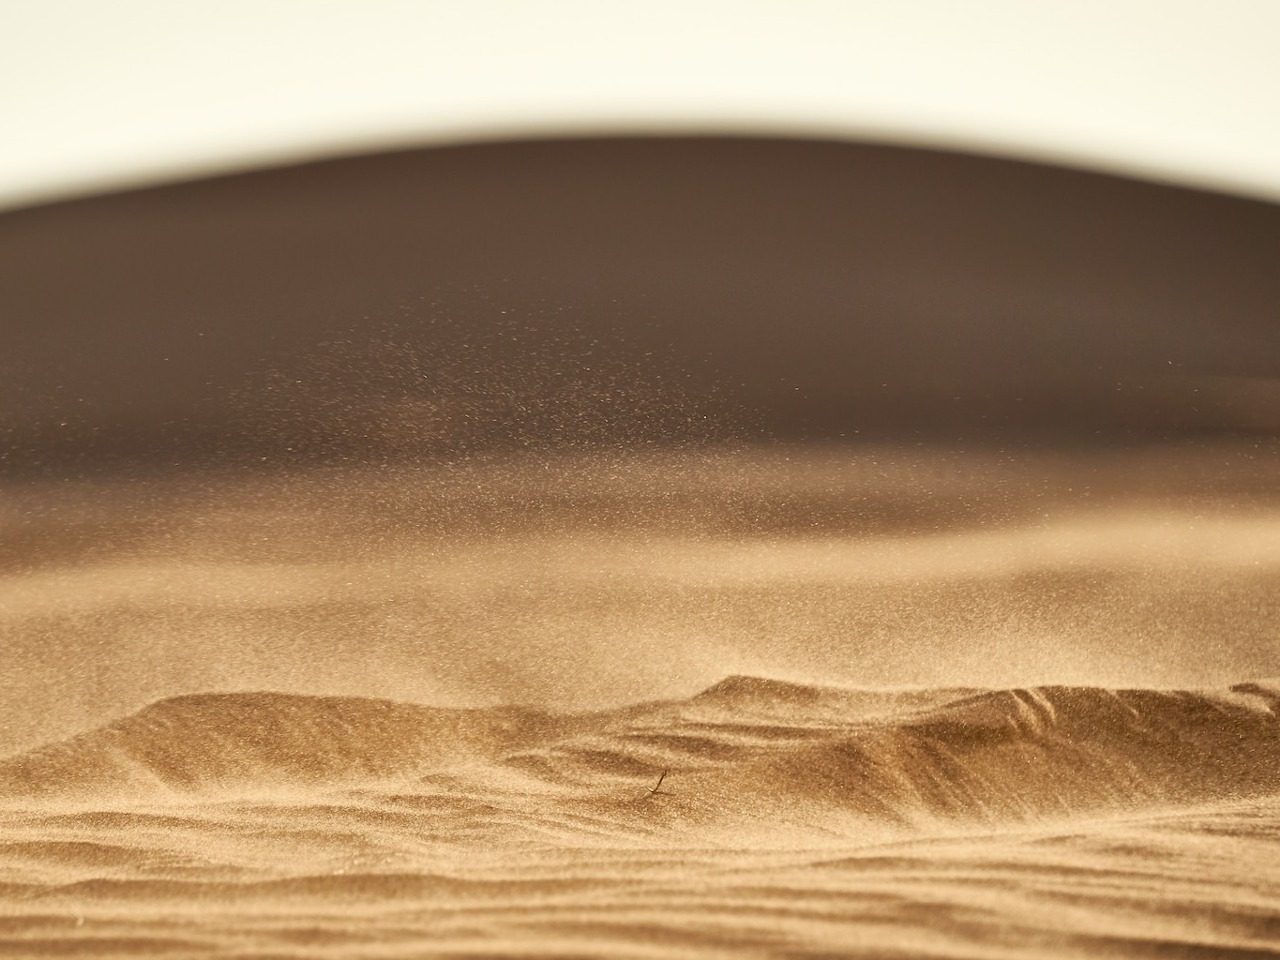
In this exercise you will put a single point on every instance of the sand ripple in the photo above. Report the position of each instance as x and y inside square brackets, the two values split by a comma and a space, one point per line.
[795, 821]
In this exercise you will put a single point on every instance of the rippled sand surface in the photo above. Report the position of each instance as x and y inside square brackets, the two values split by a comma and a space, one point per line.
[420, 710]
[794, 821]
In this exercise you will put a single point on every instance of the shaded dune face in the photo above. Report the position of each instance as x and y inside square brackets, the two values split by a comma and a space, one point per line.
[779, 756]
[626, 291]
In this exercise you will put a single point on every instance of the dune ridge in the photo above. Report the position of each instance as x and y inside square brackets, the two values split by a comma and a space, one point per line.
[200, 743]
[746, 749]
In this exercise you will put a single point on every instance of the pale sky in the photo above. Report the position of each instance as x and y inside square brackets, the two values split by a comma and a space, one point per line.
[97, 94]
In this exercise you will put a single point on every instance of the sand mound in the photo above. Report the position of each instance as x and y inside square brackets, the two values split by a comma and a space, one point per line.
[784, 756]
[767, 752]
[1050, 751]
[206, 742]
[742, 695]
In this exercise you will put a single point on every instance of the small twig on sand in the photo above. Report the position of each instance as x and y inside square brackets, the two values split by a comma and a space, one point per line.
[654, 789]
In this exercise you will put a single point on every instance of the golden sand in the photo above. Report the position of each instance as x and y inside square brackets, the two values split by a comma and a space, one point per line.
[895, 703]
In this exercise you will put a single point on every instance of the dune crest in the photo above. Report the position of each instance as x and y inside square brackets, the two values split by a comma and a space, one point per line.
[201, 743]
[745, 749]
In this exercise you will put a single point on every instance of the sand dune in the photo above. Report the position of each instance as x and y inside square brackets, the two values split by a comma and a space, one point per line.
[746, 743]
[200, 743]
[629, 289]
[795, 820]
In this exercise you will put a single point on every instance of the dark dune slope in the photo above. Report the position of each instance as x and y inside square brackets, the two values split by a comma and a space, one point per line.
[617, 290]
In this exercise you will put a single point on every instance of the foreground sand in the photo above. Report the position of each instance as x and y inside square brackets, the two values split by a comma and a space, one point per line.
[795, 821]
